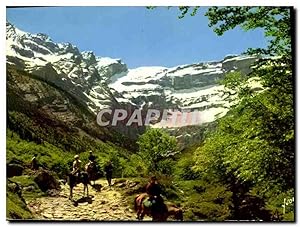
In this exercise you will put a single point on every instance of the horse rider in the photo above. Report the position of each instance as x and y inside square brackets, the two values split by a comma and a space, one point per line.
[92, 158]
[76, 166]
[91, 165]
[154, 191]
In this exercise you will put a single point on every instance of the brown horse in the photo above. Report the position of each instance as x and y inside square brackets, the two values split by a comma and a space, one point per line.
[92, 171]
[142, 210]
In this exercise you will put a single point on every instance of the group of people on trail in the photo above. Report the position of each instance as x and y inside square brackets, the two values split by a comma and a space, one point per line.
[154, 202]
[108, 169]
[76, 166]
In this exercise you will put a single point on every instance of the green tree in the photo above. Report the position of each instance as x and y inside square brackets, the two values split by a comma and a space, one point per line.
[255, 141]
[268, 146]
[253, 145]
[156, 148]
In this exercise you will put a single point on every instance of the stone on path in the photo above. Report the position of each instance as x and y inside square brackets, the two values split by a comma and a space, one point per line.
[108, 204]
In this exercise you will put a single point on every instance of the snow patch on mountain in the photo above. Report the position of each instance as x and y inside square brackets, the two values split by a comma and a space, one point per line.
[103, 82]
[82, 72]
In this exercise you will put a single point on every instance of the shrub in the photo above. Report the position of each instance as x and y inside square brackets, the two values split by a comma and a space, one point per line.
[156, 147]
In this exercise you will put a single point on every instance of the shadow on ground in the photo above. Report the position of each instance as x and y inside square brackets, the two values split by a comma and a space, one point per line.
[88, 199]
[97, 187]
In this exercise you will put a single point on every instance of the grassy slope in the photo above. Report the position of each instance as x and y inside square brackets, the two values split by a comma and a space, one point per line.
[33, 128]
[16, 208]
[15, 203]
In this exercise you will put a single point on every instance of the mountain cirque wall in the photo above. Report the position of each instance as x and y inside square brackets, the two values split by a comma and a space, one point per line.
[102, 82]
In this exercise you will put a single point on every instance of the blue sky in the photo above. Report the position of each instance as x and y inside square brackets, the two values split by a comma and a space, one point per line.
[140, 37]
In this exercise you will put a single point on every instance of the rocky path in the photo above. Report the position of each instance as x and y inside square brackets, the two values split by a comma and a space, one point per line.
[106, 204]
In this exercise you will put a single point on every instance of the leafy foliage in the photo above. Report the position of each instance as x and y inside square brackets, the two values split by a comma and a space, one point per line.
[254, 143]
[156, 148]
[183, 169]
[253, 146]
[205, 200]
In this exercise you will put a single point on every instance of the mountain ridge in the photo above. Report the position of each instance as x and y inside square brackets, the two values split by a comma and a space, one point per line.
[105, 83]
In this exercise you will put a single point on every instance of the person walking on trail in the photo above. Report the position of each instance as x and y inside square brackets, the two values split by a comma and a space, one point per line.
[34, 163]
[76, 166]
[108, 172]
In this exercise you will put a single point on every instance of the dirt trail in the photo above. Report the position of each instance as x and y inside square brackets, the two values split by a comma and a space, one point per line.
[107, 204]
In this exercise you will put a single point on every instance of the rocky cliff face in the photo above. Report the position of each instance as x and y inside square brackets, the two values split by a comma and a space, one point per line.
[102, 82]
[193, 87]
[80, 74]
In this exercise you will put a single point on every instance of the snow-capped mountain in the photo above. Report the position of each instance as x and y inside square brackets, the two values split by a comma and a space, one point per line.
[81, 73]
[192, 87]
[103, 82]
